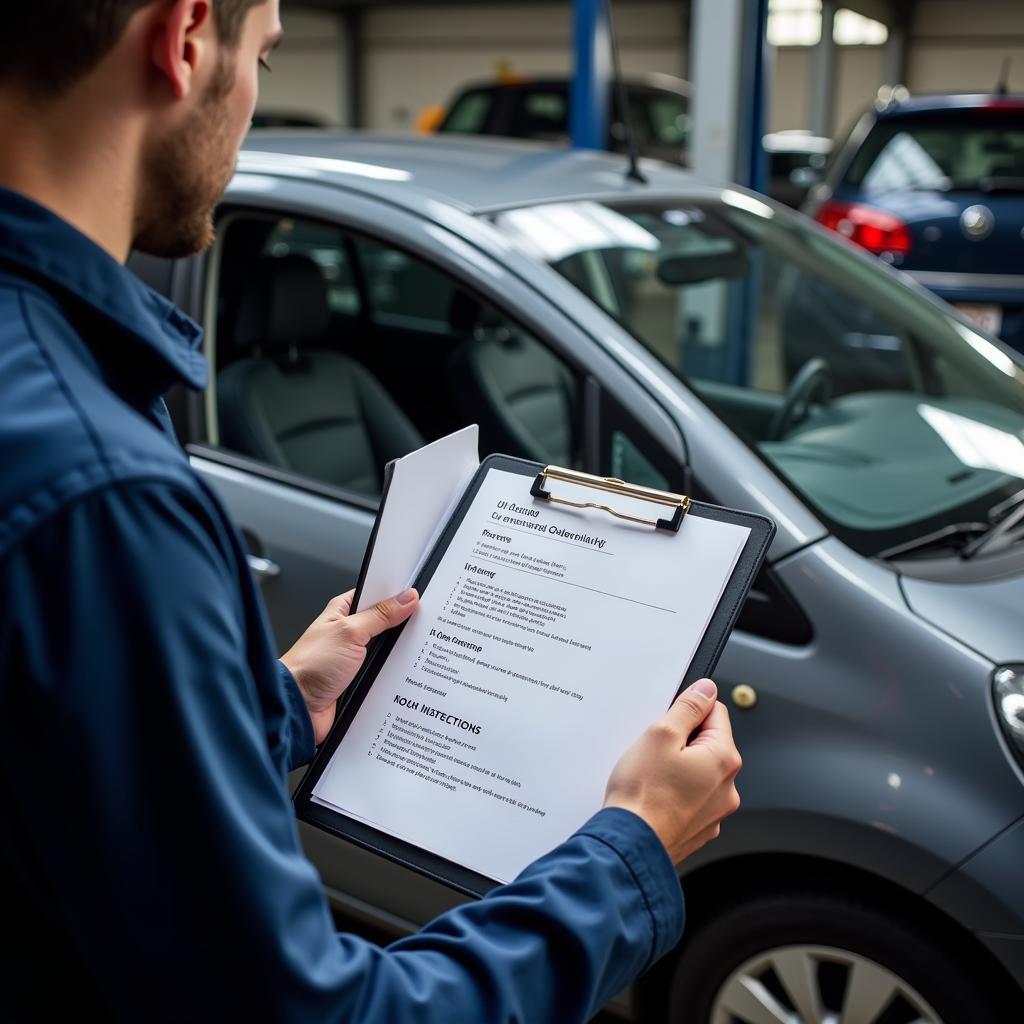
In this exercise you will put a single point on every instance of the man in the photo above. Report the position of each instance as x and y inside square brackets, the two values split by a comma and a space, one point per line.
[149, 862]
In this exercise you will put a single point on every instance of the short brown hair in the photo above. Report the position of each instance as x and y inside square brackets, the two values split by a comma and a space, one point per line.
[47, 45]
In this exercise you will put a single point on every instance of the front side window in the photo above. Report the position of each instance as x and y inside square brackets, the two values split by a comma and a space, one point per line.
[888, 415]
[335, 353]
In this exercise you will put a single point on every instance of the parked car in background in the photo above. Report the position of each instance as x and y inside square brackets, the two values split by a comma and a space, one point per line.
[796, 162]
[934, 185]
[538, 108]
[527, 108]
[368, 294]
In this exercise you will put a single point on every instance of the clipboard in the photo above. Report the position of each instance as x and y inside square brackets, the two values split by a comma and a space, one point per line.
[669, 514]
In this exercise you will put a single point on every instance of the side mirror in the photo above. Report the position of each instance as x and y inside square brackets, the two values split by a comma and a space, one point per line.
[695, 267]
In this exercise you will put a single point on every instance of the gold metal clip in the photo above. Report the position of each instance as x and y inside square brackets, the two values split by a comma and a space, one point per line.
[679, 502]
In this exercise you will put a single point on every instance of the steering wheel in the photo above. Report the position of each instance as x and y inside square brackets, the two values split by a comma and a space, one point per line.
[812, 382]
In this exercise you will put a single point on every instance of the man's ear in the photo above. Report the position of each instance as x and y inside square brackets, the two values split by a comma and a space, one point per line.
[179, 41]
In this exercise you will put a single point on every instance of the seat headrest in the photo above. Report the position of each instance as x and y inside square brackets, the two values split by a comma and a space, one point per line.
[283, 303]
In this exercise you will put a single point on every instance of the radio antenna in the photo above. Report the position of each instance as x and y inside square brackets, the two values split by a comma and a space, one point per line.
[633, 171]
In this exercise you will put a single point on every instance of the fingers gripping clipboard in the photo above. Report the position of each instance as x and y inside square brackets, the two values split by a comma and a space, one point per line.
[560, 613]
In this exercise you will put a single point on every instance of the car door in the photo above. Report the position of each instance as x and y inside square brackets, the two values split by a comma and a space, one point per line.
[425, 314]
[305, 540]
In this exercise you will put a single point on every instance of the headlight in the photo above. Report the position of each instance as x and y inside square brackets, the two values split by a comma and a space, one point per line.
[1008, 689]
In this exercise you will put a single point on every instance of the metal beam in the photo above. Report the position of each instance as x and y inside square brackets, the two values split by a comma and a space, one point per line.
[716, 29]
[588, 108]
[751, 161]
[823, 74]
[728, 71]
[895, 68]
[352, 46]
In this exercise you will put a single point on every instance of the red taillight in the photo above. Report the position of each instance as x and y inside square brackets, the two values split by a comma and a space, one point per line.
[875, 230]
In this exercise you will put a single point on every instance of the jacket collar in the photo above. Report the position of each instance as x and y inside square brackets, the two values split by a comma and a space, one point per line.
[39, 244]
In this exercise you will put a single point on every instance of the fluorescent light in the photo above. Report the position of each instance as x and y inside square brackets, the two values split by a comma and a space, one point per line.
[853, 29]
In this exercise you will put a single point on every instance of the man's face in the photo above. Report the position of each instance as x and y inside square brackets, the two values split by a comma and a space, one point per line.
[187, 168]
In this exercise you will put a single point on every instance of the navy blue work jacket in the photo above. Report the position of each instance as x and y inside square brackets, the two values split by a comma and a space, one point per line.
[150, 867]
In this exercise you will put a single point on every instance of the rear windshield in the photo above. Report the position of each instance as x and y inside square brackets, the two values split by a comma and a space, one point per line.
[980, 150]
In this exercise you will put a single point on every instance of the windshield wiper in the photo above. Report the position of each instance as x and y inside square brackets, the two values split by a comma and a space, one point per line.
[1007, 516]
[953, 539]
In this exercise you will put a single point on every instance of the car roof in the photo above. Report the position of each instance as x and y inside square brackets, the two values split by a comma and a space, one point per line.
[647, 79]
[939, 102]
[467, 172]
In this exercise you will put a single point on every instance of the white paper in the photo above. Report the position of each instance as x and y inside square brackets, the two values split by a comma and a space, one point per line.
[426, 487]
[535, 659]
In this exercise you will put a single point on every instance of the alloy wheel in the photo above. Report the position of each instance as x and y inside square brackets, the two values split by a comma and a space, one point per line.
[817, 985]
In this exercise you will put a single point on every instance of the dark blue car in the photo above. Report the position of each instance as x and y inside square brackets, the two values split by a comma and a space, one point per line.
[935, 186]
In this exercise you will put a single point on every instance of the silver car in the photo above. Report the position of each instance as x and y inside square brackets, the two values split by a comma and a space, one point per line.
[368, 294]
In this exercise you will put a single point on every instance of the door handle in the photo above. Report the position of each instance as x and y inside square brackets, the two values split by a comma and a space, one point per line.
[263, 568]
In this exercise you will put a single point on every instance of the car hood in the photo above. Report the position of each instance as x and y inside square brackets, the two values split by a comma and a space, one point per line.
[987, 616]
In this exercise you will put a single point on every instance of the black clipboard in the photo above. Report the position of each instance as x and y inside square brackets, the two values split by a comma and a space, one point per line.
[438, 868]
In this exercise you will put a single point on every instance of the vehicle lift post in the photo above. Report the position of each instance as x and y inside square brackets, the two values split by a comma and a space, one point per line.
[591, 83]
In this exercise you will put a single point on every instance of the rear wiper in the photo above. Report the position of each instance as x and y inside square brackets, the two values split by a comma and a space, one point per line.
[1002, 183]
[1007, 516]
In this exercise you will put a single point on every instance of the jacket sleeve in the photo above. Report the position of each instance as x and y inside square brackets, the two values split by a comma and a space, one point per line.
[159, 821]
[301, 744]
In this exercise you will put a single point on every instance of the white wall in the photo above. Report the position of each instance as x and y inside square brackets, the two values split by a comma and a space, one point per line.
[860, 70]
[307, 68]
[859, 73]
[788, 103]
[957, 46]
[415, 56]
[418, 56]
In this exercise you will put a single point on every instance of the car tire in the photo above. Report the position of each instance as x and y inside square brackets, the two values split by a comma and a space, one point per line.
[834, 949]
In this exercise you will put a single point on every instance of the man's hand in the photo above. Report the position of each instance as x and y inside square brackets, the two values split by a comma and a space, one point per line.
[326, 658]
[681, 789]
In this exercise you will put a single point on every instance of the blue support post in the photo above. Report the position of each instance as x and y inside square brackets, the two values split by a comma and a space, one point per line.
[589, 93]
[751, 161]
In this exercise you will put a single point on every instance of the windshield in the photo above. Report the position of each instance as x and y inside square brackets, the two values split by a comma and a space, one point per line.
[890, 416]
[947, 152]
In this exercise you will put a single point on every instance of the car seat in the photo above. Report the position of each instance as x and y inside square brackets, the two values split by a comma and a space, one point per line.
[522, 396]
[293, 403]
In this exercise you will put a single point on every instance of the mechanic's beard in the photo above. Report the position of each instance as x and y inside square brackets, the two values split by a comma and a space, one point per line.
[184, 176]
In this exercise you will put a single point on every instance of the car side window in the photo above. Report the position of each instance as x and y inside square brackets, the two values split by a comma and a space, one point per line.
[335, 353]
[327, 248]
[537, 113]
[470, 112]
